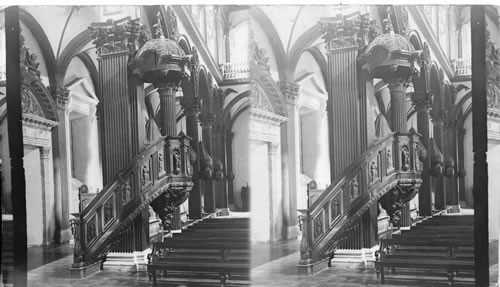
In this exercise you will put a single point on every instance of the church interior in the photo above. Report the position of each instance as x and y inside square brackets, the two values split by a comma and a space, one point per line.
[250, 145]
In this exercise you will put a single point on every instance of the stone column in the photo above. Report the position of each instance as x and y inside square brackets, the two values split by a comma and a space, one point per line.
[450, 129]
[275, 212]
[422, 102]
[291, 92]
[220, 186]
[168, 123]
[62, 138]
[207, 121]
[191, 108]
[229, 168]
[46, 169]
[438, 116]
[397, 88]
[168, 127]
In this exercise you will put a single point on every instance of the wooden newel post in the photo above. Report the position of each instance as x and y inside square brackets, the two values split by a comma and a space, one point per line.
[76, 225]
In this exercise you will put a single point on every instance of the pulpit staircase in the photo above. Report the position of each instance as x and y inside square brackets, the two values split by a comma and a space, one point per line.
[162, 169]
[333, 217]
[212, 252]
[436, 249]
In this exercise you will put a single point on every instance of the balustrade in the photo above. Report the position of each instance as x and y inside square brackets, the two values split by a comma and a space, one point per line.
[235, 70]
[164, 167]
[392, 164]
[462, 66]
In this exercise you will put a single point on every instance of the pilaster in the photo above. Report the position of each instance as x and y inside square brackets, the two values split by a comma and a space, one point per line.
[47, 191]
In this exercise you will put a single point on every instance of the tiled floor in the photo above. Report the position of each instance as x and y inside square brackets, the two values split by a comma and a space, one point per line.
[269, 272]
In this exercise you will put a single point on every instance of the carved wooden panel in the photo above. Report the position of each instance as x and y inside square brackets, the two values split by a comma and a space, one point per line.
[389, 159]
[126, 192]
[161, 163]
[405, 157]
[146, 173]
[91, 228]
[354, 190]
[335, 208]
[108, 211]
[176, 161]
[318, 225]
[374, 170]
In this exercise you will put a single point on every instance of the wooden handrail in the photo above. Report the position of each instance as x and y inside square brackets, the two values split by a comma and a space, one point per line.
[162, 167]
[391, 162]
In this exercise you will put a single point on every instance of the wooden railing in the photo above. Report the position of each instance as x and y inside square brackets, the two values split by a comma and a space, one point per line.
[163, 167]
[391, 162]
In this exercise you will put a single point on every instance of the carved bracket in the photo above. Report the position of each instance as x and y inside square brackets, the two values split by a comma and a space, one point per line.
[394, 200]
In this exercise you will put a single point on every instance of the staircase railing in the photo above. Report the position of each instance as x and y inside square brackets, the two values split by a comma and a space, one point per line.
[163, 167]
[391, 162]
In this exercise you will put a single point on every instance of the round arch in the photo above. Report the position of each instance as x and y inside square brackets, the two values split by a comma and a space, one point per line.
[303, 43]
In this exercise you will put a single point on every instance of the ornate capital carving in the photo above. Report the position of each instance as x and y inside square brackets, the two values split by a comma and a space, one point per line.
[422, 101]
[207, 119]
[398, 84]
[291, 91]
[439, 116]
[45, 152]
[191, 105]
[353, 30]
[62, 96]
[123, 35]
[167, 89]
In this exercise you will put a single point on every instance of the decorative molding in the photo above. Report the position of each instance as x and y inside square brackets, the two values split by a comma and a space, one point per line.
[265, 116]
[259, 100]
[291, 91]
[272, 148]
[354, 30]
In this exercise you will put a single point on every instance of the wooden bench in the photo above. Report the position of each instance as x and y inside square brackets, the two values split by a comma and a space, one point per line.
[456, 255]
[219, 260]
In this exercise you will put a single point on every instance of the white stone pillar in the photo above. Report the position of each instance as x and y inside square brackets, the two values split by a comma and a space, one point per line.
[63, 167]
[47, 177]
[291, 91]
[275, 194]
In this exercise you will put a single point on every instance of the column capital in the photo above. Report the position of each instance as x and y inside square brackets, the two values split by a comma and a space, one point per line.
[291, 91]
[45, 152]
[62, 97]
[272, 148]
[397, 84]
[347, 31]
[124, 35]
[439, 116]
[422, 101]
[191, 105]
[167, 89]
[207, 119]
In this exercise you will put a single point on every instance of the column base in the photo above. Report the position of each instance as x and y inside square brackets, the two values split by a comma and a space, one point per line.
[84, 271]
[127, 261]
[355, 258]
[311, 268]
[222, 212]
